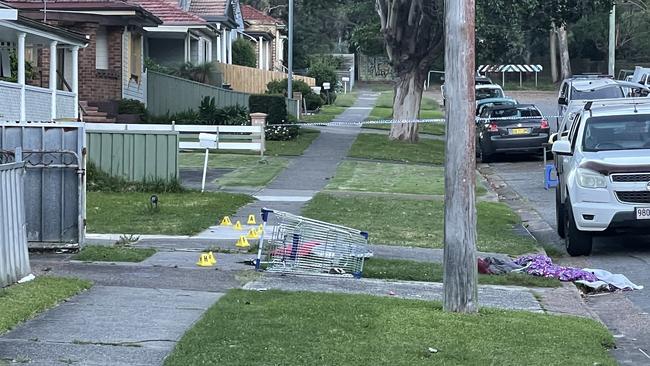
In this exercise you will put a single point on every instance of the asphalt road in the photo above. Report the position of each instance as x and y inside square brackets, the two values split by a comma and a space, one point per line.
[625, 314]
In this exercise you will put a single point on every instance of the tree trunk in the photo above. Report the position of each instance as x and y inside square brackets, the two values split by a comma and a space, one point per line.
[565, 61]
[553, 53]
[460, 271]
[406, 105]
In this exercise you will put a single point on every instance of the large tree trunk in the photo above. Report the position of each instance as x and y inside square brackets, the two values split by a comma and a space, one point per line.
[406, 105]
[413, 31]
[553, 52]
[565, 61]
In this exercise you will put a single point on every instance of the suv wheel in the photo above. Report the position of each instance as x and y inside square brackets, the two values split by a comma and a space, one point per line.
[577, 242]
[560, 213]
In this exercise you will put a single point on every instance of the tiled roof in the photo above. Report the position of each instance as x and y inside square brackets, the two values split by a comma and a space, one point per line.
[250, 13]
[208, 7]
[168, 12]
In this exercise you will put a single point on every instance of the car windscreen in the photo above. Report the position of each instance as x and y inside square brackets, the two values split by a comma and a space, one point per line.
[609, 92]
[628, 132]
[484, 93]
[515, 112]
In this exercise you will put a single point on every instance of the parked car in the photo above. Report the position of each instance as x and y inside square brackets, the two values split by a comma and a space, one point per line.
[478, 80]
[603, 167]
[506, 129]
[592, 87]
[485, 91]
[491, 102]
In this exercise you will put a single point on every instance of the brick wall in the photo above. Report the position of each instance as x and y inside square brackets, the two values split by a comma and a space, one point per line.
[94, 85]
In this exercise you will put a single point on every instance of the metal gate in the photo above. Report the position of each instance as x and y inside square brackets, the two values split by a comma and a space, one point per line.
[14, 259]
[54, 184]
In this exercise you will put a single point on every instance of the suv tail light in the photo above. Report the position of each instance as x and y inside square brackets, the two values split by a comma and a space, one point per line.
[544, 123]
[492, 127]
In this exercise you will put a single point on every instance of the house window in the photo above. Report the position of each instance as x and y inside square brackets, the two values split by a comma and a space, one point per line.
[101, 49]
[135, 48]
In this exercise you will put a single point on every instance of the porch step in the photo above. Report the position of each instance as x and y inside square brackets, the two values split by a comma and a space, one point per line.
[95, 114]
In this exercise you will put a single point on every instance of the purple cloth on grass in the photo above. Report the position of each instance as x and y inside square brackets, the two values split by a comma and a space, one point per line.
[541, 265]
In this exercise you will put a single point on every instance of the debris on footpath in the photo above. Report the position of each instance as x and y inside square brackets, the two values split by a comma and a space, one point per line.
[590, 280]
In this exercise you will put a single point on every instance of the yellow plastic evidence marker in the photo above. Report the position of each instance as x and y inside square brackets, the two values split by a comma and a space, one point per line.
[204, 260]
[252, 234]
[251, 220]
[242, 242]
[238, 226]
[212, 258]
[226, 221]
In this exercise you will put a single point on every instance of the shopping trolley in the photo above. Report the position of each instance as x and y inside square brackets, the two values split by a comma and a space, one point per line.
[305, 246]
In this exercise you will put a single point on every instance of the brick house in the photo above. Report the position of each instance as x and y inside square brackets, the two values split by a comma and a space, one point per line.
[111, 67]
[267, 33]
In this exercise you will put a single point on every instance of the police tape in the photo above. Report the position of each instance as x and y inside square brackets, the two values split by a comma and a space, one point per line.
[416, 121]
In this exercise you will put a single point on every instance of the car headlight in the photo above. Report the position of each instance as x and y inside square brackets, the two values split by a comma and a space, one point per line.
[591, 179]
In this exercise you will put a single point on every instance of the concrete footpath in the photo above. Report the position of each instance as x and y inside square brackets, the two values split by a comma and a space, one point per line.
[308, 174]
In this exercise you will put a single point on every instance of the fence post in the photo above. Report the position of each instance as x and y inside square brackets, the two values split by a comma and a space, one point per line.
[259, 119]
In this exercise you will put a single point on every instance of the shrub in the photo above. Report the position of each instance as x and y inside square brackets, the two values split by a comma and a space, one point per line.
[232, 115]
[99, 181]
[281, 86]
[188, 117]
[243, 53]
[313, 101]
[152, 65]
[130, 106]
[281, 132]
[274, 105]
[323, 73]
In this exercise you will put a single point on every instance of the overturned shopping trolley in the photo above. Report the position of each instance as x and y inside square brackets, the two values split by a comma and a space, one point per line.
[305, 246]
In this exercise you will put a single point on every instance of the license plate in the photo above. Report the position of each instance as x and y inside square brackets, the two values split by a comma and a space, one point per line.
[520, 131]
[643, 213]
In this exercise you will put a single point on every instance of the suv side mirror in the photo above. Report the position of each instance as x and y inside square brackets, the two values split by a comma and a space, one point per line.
[552, 138]
[562, 100]
[562, 147]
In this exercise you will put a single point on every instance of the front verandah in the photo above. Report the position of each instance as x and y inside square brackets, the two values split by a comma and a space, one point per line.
[21, 39]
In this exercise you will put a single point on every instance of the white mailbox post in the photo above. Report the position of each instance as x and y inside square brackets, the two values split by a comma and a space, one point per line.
[345, 80]
[208, 141]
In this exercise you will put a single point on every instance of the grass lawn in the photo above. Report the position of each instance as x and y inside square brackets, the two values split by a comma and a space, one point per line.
[418, 223]
[437, 129]
[345, 100]
[388, 178]
[249, 170]
[21, 302]
[405, 270]
[327, 114]
[372, 146]
[429, 109]
[99, 253]
[177, 214]
[278, 328]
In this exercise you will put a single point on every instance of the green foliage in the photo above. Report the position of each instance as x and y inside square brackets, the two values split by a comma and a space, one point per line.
[313, 101]
[281, 86]
[13, 64]
[323, 73]
[367, 39]
[199, 73]
[131, 106]
[152, 65]
[274, 105]
[121, 253]
[243, 53]
[209, 114]
[100, 181]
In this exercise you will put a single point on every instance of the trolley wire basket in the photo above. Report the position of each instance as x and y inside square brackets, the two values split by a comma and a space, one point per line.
[305, 246]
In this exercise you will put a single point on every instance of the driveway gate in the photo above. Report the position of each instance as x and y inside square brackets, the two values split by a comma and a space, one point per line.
[53, 154]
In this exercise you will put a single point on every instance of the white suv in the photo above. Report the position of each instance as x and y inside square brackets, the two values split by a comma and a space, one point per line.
[603, 167]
